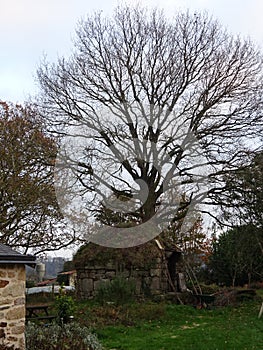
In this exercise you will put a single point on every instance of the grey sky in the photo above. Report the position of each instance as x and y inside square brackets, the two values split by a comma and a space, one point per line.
[31, 28]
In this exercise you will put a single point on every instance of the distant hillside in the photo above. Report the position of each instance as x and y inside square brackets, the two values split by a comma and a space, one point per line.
[52, 267]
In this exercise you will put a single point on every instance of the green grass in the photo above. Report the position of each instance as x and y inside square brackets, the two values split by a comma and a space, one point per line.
[183, 327]
[167, 326]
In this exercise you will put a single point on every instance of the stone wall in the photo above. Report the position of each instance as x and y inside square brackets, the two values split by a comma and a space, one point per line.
[12, 305]
[151, 280]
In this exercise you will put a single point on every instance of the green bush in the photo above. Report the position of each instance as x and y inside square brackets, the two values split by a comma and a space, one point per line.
[57, 337]
[65, 307]
[118, 291]
[30, 284]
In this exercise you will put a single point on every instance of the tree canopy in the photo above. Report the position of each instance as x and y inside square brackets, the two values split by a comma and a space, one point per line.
[29, 213]
[151, 108]
[244, 187]
[237, 256]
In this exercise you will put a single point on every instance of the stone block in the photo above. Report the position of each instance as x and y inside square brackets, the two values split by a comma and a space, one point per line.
[110, 274]
[3, 273]
[18, 330]
[15, 313]
[91, 274]
[12, 339]
[11, 274]
[99, 276]
[98, 284]
[155, 272]
[19, 301]
[164, 286]
[6, 301]
[21, 274]
[125, 274]
[155, 284]
[14, 290]
[110, 266]
[82, 275]
[87, 285]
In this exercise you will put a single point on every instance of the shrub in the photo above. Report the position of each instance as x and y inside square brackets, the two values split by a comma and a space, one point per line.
[65, 307]
[119, 291]
[30, 284]
[57, 337]
[256, 285]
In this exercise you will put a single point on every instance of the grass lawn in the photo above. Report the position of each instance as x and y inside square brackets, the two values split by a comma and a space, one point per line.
[184, 327]
[167, 326]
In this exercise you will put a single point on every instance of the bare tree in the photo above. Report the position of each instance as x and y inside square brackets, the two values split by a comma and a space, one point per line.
[29, 213]
[164, 106]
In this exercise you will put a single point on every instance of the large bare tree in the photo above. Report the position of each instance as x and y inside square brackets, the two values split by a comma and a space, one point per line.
[153, 108]
[29, 214]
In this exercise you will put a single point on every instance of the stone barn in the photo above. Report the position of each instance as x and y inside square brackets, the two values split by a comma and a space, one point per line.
[151, 266]
[12, 296]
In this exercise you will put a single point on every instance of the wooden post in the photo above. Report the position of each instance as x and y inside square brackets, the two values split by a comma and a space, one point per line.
[261, 311]
[181, 282]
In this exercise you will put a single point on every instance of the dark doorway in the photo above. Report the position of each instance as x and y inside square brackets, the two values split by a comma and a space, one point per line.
[172, 260]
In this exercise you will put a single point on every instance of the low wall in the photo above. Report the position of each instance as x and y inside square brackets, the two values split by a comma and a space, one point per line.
[12, 305]
[90, 278]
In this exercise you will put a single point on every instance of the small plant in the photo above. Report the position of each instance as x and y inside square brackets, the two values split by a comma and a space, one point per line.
[119, 291]
[30, 284]
[65, 307]
[60, 337]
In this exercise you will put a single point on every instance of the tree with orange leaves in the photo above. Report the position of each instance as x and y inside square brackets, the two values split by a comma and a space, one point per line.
[29, 214]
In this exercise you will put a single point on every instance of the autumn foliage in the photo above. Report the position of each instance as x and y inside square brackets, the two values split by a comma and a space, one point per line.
[29, 213]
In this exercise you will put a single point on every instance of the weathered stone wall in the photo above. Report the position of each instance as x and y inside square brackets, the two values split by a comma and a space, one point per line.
[89, 279]
[12, 305]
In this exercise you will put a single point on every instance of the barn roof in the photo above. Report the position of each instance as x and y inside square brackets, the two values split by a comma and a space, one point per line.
[10, 256]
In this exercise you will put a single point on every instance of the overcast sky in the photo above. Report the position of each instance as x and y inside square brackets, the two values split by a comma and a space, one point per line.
[31, 28]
